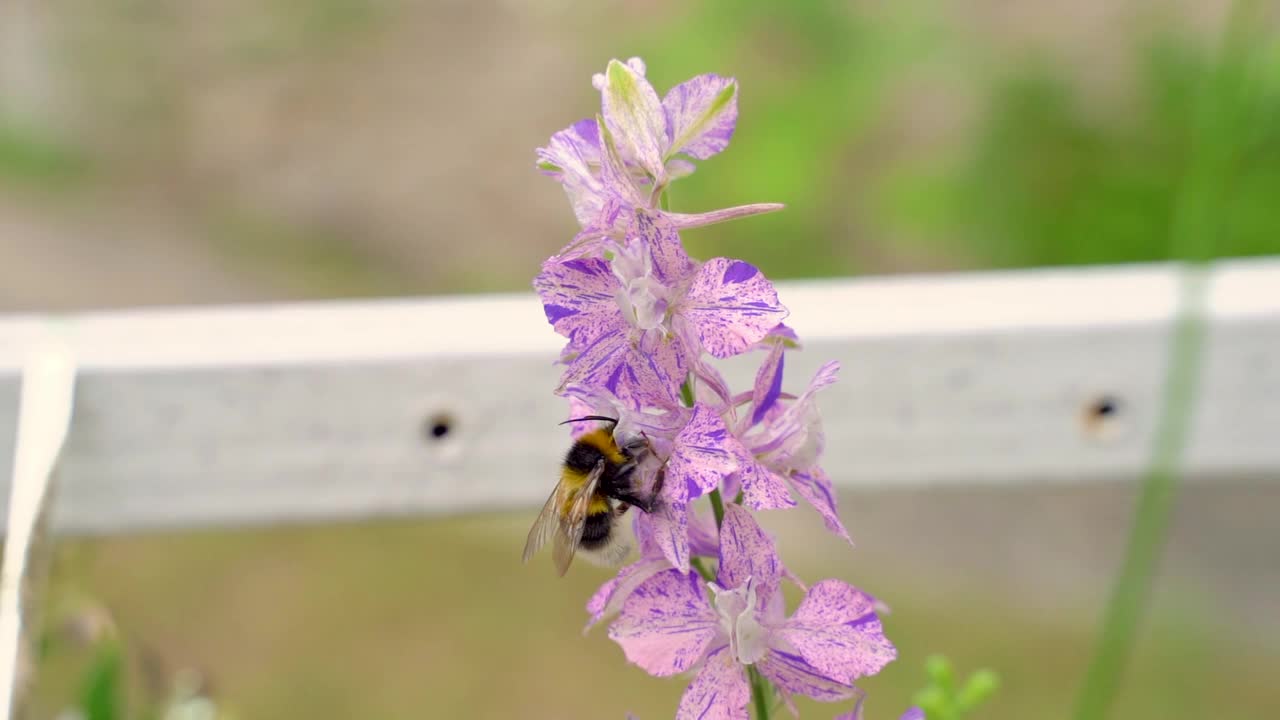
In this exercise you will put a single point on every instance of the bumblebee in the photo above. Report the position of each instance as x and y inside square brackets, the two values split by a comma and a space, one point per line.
[581, 514]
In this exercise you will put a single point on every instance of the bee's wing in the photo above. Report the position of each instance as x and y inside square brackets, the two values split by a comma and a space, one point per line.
[569, 529]
[546, 523]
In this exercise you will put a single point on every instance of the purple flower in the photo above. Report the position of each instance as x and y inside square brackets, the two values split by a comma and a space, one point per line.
[632, 322]
[779, 438]
[668, 626]
[573, 158]
[784, 435]
[615, 316]
[773, 446]
[703, 539]
[642, 319]
[624, 159]
[696, 118]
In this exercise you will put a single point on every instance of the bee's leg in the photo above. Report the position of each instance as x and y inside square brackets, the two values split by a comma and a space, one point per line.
[628, 497]
[621, 509]
[620, 488]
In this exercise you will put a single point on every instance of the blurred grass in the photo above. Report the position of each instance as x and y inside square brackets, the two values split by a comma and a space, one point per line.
[32, 158]
[408, 620]
[1049, 181]
[319, 259]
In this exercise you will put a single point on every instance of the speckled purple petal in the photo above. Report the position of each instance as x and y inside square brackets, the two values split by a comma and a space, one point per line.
[815, 487]
[642, 531]
[762, 489]
[671, 264]
[731, 486]
[792, 675]
[768, 385]
[658, 423]
[635, 116]
[836, 630]
[580, 408]
[718, 692]
[826, 375]
[793, 439]
[704, 538]
[615, 176]
[710, 386]
[702, 455]
[669, 524]
[914, 713]
[609, 597]
[639, 376]
[683, 221]
[699, 528]
[573, 157]
[578, 299]
[666, 623]
[701, 114]
[599, 600]
[598, 233]
[747, 551]
[731, 306]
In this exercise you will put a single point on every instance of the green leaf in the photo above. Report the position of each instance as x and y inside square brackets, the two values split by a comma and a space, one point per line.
[979, 688]
[939, 671]
[934, 702]
[33, 157]
[102, 690]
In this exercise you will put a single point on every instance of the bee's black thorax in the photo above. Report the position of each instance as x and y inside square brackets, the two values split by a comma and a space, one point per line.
[595, 448]
[583, 457]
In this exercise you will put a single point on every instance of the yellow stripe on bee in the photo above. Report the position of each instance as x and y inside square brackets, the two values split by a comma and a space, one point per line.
[602, 440]
[598, 506]
[574, 481]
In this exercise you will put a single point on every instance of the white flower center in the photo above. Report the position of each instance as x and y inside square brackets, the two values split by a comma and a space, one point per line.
[641, 297]
[748, 639]
[808, 440]
[643, 302]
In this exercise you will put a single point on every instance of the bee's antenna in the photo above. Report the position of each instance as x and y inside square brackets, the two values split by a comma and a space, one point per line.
[591, 417]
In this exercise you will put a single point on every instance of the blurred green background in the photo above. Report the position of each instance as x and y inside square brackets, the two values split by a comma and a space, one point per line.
[234, 151]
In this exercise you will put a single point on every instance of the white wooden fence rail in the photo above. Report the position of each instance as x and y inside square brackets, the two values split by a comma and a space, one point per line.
[256, 414]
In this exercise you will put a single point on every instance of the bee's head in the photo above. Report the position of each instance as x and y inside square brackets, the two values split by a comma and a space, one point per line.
[632, 446]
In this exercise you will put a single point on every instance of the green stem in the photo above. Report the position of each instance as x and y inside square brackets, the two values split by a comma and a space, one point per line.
[1132, 586]
[697, 564]
[686, 392]
[759, 697]
[1224, 106]
[717, 506]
